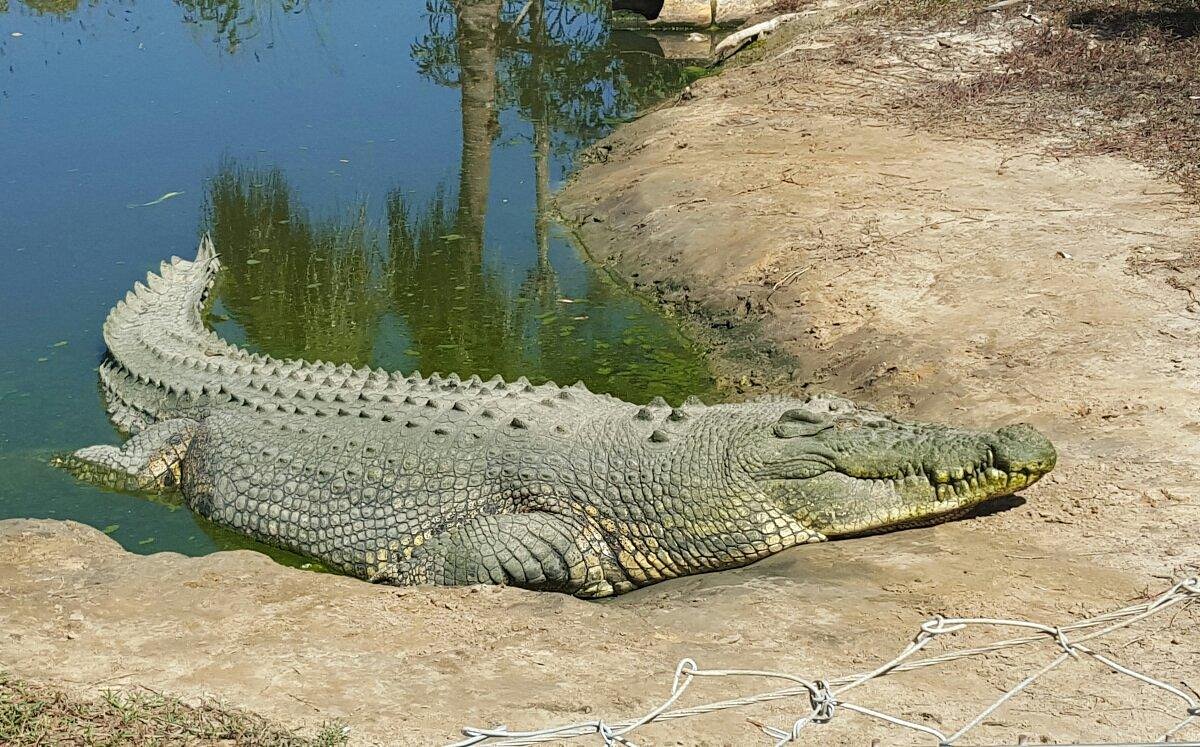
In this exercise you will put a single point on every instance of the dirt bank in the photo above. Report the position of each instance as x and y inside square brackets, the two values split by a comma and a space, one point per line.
[789, 207]
[410, 666]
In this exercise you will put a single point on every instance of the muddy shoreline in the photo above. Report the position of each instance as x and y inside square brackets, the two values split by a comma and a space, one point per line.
[814, 238]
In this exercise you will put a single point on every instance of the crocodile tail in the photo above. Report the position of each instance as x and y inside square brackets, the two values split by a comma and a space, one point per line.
[154, 334]
[173, 295]
[206, 254]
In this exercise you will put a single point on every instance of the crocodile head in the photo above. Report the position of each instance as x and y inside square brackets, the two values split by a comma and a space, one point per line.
[841, 470]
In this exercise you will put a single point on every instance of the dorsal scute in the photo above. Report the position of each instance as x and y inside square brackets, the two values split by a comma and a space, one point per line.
[158, 336]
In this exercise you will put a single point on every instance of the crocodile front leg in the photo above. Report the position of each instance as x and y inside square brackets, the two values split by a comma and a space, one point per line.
[148, 462]
[537, 551]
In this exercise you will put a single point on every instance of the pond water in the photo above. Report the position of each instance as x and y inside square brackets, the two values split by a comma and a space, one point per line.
[375, 174]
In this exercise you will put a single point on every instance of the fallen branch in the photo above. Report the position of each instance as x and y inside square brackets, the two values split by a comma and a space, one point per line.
[738, 39]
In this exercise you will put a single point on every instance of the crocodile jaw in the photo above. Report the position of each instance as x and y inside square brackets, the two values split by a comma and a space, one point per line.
[838, 505]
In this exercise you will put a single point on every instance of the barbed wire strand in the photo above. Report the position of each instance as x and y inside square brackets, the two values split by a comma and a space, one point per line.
[825, 695]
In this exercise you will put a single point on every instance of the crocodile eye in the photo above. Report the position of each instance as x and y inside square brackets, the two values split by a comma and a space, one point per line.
[800, 423]
[801, 416]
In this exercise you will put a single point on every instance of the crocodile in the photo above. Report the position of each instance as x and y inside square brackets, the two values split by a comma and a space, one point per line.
[410, 479]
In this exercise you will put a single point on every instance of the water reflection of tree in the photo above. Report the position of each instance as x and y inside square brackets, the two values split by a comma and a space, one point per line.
[459, 317]
[560, 53]
[309, 289]
[52, 7]
[236, 21]
[232, 22]
[551, 61]
[305, 289]
[299, 289]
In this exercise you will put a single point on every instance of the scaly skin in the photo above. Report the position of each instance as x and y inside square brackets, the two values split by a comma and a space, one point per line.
[408, 480]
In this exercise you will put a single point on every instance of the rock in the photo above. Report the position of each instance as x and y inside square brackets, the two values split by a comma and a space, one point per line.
[733, 12]
[696, 13]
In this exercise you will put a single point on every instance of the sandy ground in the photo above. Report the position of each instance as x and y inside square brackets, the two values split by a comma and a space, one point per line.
[787, 211]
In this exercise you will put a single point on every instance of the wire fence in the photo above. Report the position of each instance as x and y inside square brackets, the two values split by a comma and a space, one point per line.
[826, 697]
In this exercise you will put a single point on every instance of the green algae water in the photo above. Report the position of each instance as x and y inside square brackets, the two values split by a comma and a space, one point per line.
[376, 176]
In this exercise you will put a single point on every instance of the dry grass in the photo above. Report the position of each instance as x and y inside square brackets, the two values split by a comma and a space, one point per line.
[1094, 76]
[923, 10]
[1118, 77]
[33, 714]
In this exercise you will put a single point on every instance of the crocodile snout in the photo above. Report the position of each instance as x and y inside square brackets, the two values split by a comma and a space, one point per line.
[1021, 449]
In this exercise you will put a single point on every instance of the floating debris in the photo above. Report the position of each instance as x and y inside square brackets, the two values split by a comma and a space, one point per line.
[164, 198]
